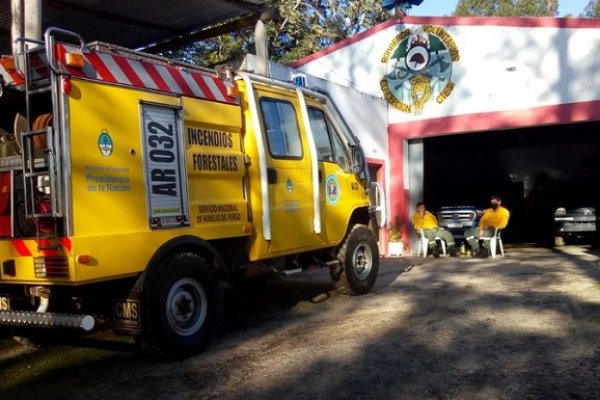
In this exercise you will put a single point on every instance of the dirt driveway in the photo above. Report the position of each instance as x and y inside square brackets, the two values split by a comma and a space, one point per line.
[523, 327]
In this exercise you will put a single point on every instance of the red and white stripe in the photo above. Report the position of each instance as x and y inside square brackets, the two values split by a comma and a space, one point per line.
[143, 74]
[9, 73]
[38, 68]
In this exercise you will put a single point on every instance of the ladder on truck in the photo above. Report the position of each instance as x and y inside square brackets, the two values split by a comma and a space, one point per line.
[41, 160]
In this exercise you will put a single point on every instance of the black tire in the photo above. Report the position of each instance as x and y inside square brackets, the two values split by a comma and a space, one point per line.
[182, 306]
[359, 262]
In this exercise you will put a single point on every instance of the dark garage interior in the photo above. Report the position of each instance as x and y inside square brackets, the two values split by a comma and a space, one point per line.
[535, 170]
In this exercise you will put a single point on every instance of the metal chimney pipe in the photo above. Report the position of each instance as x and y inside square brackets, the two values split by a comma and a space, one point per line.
[33, 19]
[17, 25]
[26, 23]
[262, 51]
[261, 41]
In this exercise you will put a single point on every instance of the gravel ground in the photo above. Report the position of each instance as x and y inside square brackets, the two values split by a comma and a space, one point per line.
[525, 326]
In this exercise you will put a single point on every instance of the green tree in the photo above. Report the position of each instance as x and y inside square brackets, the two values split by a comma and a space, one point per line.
[218, 50]
[306, 26]
[592, 10]
[507, 8]
[299, 28]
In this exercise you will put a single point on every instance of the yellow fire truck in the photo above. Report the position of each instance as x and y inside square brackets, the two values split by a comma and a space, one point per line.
[132, 185]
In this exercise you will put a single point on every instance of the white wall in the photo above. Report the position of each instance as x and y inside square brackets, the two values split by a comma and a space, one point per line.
[502, 66]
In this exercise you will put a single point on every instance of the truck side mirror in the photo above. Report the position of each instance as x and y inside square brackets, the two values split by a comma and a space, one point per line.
[358, 160]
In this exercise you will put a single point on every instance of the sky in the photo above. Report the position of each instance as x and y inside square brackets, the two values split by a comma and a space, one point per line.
[433, 8]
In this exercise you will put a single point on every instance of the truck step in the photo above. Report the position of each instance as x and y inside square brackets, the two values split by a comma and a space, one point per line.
[286, 272]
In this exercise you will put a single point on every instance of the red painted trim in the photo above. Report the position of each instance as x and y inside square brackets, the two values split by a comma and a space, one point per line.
[537, 22]
[556, 114]
[541, 22]
[399, 197]
[21, 248]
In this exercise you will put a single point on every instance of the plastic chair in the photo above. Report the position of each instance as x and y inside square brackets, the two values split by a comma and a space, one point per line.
[495, 243]
[423, 245]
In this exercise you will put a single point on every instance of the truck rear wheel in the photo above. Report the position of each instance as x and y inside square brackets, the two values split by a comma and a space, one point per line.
[182, 306]
[359, 262]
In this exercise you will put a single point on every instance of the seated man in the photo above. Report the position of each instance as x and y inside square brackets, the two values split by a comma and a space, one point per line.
[493, 218]
[426, 221]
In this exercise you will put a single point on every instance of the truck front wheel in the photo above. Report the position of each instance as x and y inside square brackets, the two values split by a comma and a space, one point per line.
[182, 306]
[359, 262]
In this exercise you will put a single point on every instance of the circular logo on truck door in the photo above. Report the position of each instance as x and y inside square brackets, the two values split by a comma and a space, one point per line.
[105, 143]
[332, 189]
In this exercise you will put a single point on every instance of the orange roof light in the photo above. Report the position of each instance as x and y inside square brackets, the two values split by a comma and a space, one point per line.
[233, 91]
[75, 60]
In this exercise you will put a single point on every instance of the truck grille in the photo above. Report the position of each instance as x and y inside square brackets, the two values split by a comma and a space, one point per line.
[457, 215]
[51, 267]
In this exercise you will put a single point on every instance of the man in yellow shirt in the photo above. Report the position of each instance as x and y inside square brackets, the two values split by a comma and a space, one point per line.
[495, 217]
[426, 221]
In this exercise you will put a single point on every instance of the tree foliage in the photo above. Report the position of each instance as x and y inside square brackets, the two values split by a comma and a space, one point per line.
[299, 28]
[592, 10]
[507, 8]
[306, 26]
[218, 50]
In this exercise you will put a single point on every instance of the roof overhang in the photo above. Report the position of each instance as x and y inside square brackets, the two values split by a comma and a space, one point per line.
[153, 24]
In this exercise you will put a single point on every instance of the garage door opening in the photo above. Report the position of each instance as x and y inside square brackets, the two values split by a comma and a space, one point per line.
[535, 170]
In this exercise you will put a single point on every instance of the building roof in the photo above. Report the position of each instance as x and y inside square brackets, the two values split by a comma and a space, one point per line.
[150, 24]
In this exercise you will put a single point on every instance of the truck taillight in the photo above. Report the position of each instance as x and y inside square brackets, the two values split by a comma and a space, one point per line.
[67, 86]
[45, 225]
[51, 267]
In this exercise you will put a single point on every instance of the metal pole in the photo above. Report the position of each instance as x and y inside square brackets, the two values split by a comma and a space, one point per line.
[262, 51]
[16, 27]
[33, 19]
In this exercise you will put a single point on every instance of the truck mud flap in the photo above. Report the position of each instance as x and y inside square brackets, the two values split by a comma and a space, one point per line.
[127, 317]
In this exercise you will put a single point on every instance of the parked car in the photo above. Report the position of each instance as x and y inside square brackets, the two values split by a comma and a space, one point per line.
[457, 219]
[577, 222]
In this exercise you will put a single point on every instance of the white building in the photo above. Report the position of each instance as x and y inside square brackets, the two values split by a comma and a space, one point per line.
[476, 106]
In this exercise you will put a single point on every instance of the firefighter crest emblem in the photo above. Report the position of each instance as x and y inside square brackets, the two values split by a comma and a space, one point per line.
[419, 68]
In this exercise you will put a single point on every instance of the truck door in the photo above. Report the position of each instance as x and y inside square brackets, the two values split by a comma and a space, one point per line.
[339, 187]
[289, 174]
